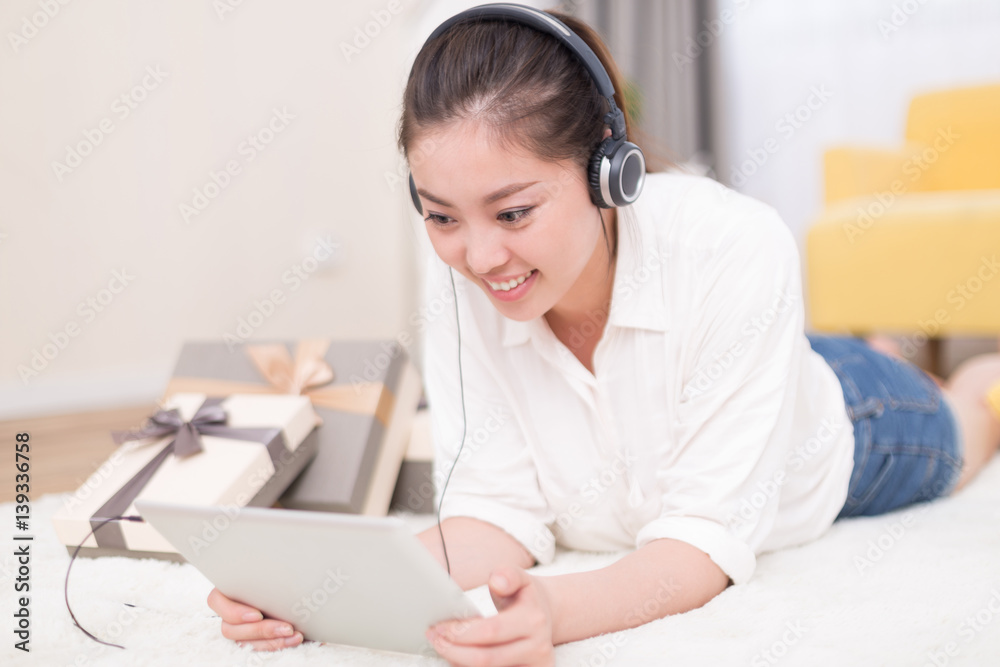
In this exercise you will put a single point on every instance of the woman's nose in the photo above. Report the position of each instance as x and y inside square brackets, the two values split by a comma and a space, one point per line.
[485, 250]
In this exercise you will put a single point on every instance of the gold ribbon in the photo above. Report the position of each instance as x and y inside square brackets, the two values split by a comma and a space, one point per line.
[308, 374]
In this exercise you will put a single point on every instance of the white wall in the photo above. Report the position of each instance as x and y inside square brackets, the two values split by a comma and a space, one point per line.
[324, 174]
[334, 170]
[871, 56]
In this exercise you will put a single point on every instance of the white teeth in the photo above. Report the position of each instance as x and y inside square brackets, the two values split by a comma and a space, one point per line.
[510, 284]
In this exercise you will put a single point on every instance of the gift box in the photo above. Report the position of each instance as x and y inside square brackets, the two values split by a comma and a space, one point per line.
[365, 391]
[415, 487]
[230, 451]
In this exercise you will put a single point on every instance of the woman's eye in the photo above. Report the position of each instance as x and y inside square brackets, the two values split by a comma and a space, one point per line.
[514, 216]
[439, 220]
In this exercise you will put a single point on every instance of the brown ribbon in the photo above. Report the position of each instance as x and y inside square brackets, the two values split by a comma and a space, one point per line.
[169, 422]
[210, 419]
[308, 374]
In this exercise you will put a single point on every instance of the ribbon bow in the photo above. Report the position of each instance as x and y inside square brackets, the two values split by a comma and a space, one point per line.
[308, 375]
[210, 419]
[308, 371]
[167, 422]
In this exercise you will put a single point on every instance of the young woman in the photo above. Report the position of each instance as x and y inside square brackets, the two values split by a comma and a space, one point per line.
[634, 377]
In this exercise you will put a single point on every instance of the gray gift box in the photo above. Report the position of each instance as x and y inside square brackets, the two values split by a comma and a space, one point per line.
[360, 449]
[415, 487]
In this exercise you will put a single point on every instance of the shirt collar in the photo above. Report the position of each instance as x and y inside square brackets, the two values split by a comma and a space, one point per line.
[637, 297]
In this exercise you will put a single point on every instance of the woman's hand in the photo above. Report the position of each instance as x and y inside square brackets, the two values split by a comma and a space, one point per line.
[520, 634]
[248, 627]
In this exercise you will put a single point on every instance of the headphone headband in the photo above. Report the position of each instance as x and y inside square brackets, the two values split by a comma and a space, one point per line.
[502, 11]
[617, 169]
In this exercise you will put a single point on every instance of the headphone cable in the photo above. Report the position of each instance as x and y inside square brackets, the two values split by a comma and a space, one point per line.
[461, 386]
[70, 567]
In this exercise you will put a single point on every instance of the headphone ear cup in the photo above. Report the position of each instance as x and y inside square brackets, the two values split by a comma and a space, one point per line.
[594, 174]
[626, 173]
[414, 196]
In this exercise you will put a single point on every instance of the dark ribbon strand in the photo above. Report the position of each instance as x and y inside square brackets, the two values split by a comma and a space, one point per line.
[210, 419]
[188, 433]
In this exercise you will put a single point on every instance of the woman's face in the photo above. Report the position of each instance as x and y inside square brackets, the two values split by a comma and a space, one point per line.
[494, 215]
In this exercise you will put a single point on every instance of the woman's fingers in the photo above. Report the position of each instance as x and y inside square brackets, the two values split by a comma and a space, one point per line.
[274, 644]
[232, 611]
[266, 629]
[247, 626]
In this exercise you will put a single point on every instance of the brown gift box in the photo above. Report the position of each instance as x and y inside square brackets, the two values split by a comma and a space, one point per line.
[365, 392]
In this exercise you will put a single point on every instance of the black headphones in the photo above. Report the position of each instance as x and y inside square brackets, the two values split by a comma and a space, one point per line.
[617, 168]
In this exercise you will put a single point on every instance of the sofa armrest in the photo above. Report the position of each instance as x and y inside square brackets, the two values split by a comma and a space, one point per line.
[856, 171]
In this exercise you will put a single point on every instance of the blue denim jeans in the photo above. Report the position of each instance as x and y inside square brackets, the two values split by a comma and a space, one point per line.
[907, 444]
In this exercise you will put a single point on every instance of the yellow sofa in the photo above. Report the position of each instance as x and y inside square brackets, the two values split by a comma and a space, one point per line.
[909, 240]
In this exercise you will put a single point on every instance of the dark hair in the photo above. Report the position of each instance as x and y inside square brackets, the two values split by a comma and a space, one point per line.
[529, 89]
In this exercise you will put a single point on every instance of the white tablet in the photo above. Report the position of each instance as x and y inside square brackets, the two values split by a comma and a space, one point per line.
[342, 578]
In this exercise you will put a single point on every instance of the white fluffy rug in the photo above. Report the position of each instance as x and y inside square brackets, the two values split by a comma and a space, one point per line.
[920, 586]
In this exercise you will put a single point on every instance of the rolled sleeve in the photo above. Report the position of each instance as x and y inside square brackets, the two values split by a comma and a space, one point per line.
[494, 478]
[733, 556]
[731, 434]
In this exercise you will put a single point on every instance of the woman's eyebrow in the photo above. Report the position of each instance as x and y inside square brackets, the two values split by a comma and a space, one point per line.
[506, 192]
[436, 200]
[488, 199]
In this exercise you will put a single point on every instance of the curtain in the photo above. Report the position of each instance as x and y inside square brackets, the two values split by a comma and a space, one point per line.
[663, 48]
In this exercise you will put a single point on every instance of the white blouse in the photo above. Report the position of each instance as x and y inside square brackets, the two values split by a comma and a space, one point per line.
[709, 419]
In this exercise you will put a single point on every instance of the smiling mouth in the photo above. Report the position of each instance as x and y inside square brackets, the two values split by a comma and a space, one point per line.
[508, 285]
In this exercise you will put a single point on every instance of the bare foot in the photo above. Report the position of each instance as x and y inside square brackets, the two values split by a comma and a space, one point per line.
[890, 347]
[969, 391]
[885, 344]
